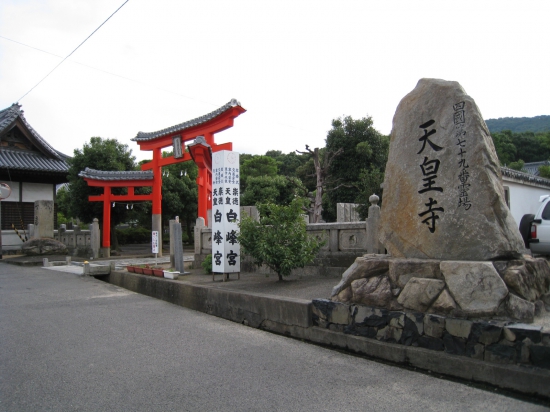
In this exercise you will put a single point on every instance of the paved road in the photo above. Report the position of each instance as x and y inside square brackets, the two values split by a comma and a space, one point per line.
[69, 343]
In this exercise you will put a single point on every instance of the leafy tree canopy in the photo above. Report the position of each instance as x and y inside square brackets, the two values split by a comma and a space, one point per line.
[526, 146]
[280, 190]
[364, 148]
[259, 166]
[287, 164]
[255, 166]
[99, 154]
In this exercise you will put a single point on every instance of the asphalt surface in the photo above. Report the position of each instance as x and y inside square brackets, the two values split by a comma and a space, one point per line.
[72, 343]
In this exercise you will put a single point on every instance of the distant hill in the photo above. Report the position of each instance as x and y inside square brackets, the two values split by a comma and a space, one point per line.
[519, 124]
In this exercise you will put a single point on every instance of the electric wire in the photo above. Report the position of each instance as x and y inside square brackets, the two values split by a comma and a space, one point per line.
[112, 74]
[69, 55]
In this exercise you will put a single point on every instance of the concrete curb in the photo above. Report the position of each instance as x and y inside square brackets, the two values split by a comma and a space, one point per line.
[247, 308]
[292, 317]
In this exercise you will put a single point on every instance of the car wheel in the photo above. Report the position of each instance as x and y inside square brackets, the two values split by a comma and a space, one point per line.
[525, 228]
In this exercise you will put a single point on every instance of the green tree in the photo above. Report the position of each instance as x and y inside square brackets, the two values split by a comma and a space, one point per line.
[363, 148]
[544, 171]
[369, 184]
[321, 164]
[255, 166]
[99, 154]
[504, 146]
[530, 147]
[287, 164]
[280, 190]
[517, 165]
[62, 200]
[279, 240]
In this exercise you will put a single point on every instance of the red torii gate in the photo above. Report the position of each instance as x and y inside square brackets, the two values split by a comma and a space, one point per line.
[201, 130]
[108, 180]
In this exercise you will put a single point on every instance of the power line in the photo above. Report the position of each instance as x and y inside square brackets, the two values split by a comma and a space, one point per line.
[69, 55]
[30, 47]
[109, 73]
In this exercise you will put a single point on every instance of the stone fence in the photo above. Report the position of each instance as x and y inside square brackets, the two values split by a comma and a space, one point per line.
[345, 241]
[80, 242]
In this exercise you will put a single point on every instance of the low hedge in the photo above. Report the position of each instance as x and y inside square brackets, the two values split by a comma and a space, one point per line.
[133, 235]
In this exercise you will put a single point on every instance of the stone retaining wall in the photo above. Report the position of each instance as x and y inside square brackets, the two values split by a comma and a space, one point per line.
[490, 341]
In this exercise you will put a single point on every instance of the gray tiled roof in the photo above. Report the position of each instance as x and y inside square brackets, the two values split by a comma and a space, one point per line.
[142, 136]
[11, 114]
[108, 175]
[526, 177]
[27, 160]
[533, 167]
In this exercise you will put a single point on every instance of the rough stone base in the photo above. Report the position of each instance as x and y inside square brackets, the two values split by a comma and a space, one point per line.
[502, 290]
[43, 246]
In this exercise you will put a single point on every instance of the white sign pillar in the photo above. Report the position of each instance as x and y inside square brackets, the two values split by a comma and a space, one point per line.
[226, 250]
[155, 241]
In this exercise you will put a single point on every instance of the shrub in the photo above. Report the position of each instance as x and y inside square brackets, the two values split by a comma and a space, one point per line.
[133, 235]
[279, 239]
[207, 264]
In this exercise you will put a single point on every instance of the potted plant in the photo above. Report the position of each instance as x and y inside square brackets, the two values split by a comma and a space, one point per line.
[139, 269]
[171, 273]
[147, 270]
[130, 268]
[158, 271]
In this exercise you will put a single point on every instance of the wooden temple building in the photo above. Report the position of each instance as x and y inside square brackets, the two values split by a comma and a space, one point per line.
[31, 167]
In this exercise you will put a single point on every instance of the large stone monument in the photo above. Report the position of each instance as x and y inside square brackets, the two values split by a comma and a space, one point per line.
[443, 196]
[453, 245]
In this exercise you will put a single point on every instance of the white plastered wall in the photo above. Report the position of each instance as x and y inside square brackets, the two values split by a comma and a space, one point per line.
[37, 191]
[524, 198]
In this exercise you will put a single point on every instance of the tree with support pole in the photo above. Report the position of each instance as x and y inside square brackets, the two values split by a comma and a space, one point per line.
[322, 167]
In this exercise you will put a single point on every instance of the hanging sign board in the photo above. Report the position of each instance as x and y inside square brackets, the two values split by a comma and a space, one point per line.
[226, 250]
[176, 145]
[155, 241]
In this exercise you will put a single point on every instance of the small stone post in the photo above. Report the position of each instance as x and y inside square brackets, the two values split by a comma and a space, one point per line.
[178, 247]
[43, 219]
[172, 222]
[95, 238]
[199, 225]
[30, 231]
[373, 222]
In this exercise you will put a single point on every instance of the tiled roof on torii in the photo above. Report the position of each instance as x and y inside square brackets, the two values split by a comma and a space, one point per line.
[142, 136]
[44, 159]
[116, 175]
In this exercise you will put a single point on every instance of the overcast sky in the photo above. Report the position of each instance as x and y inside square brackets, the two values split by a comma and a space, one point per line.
[294, 65]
